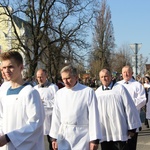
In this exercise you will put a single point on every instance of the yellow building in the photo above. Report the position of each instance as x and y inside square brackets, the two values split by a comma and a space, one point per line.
[8, 39]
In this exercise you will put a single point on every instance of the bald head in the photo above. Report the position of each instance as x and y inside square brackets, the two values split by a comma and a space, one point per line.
[105, 77]
[41, 76]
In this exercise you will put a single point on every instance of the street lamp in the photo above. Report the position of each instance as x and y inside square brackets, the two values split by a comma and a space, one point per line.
[66, 61]
[136, 47]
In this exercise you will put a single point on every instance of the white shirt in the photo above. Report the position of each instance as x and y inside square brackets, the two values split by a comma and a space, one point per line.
[75, 120]
[5, 85]
[146, 85]
[136, 91]
[117, 113]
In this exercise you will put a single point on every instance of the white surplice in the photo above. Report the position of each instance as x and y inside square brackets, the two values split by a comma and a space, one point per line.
[148, 107]
[136, 91]
[4, 86]
[21, 118]
[117, 112]
[75, 120]
[47, 97]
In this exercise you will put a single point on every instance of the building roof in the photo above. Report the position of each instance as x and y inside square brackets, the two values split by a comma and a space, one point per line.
[22, 24]
[147, 66]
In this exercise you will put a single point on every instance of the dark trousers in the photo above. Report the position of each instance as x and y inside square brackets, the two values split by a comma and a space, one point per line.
[114, 145]
[133, 142]
[50, 142]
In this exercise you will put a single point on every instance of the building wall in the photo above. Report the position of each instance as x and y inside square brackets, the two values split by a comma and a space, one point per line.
[8, 39]
[7, 36]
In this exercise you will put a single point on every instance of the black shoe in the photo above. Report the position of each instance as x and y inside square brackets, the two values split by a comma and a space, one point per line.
[140, 128]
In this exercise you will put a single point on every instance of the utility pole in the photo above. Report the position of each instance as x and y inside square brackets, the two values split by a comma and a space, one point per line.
[136, 47]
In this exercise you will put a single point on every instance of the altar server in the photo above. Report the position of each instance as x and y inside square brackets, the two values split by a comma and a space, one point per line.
[47, 92]
[75, 120]
[118, 115]
[21, 109]
[137, 92]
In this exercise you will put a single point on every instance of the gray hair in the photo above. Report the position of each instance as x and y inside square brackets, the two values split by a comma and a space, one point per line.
[70, 69]
[129, 67]
[106, 70]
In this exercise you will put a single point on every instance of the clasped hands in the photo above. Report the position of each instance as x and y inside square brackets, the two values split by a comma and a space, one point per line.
[3, 140]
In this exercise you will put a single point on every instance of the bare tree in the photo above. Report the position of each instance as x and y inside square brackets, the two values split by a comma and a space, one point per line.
[30, 43]
[141, 64]
[103, 41]
[73, 20]
[121, 58]
[53, 30]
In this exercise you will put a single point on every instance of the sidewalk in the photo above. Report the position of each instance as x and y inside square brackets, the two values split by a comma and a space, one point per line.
[144, 135]
[144, 139]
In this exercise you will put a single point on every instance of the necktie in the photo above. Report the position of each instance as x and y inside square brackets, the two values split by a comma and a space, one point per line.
[41, 86]
[126, 82]
[106, 88]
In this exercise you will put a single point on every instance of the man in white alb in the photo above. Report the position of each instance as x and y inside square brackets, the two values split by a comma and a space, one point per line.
[21, 109]
[75, 120]
[118, 115]
[137, 92]
[47, 92]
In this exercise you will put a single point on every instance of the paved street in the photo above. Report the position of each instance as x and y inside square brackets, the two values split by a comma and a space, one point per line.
[144, 136]
[144, 139]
